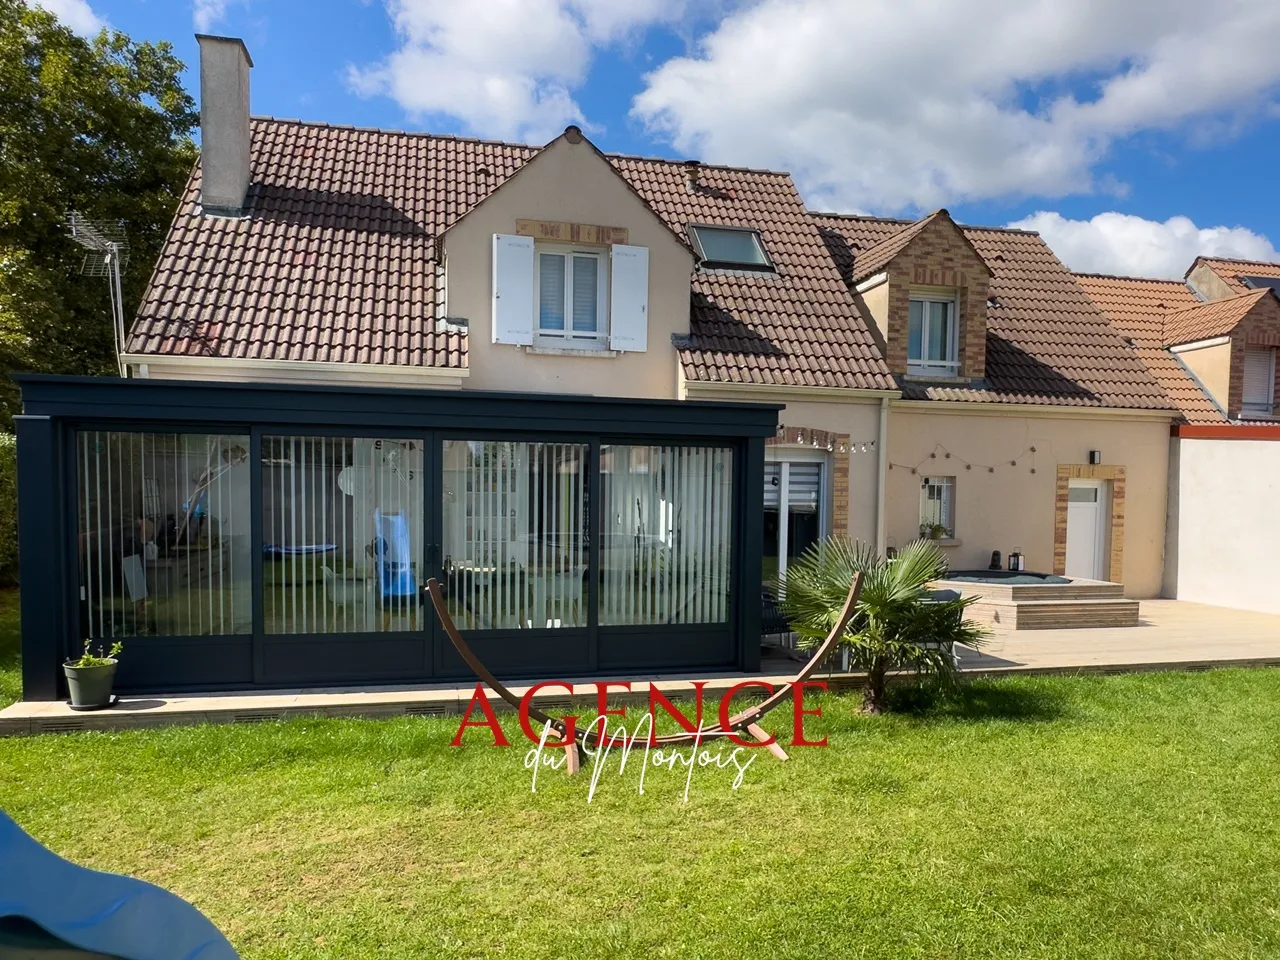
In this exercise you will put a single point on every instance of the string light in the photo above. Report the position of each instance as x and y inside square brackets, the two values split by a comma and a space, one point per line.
[1030, 451]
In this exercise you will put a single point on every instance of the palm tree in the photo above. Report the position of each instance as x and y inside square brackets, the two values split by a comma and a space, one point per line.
[898, 625]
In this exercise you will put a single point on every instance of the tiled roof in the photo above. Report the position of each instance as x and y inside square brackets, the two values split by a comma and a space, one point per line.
[878, 255]
[337, 262]
[1136, 307]
[1214, 318]
[1231, 271]
[1047, 343]
[796, 327]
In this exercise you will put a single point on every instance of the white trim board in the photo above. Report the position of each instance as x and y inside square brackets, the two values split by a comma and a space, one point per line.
[222, 368]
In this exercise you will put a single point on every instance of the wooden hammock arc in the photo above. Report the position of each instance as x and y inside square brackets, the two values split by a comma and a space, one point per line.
[740, 725]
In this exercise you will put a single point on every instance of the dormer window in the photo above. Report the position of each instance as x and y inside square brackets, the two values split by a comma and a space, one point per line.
[572, 294]
[932, 338]
[734, 248]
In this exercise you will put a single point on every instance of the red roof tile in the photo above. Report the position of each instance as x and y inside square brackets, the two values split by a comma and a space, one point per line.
[337, 261]
[1047, 343]
[1136, 308]
[1232, 272]
[1213, 318]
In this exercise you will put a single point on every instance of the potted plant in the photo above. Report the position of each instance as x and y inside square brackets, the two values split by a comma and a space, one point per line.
[935, 531]
[90, 677]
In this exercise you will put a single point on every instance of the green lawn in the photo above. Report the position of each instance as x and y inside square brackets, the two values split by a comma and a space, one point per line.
[10, 647]
[1092, 817]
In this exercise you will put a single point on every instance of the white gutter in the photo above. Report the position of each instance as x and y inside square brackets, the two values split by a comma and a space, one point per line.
[772, 391]
[992, 408]
[872, 281]
[1200, 344]
[150, 362]
[884, 474]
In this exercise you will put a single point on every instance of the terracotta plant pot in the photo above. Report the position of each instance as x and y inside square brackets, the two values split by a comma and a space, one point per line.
[90, 686]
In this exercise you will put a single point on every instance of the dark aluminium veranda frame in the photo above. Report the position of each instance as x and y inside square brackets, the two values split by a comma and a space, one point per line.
[55, 408]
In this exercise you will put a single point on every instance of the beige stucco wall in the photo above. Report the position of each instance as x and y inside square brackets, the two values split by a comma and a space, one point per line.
[1212, 367]
[857, 417]
[874, 303]
[1211, 285]
[568, 183]
[1012, 508]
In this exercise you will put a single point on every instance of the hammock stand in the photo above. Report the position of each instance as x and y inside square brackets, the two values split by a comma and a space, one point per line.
[740, 725]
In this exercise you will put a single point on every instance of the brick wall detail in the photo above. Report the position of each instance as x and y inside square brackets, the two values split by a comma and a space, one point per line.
[940, 256]
[1089, 471]
[837, 444]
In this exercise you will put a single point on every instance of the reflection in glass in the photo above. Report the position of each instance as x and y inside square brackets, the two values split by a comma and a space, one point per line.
[164, 539]
[667, 530]
[515, 534]
[342, 533]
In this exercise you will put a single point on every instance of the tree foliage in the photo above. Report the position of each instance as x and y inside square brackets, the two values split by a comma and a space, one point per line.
[102, 126]
[898, 625]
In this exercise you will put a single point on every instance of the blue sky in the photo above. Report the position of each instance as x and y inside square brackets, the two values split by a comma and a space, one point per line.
[1133, 134]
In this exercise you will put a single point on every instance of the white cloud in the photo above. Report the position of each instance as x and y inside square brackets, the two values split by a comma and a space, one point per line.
[893, 104]
[506, 68]
[76, 14]
[1131, 246]
[207, 14]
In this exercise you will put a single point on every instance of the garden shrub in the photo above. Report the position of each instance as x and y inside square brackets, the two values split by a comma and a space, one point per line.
[8, 508]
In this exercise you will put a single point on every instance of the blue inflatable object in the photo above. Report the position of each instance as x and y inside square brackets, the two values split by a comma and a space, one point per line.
[100, 912]
[395, 575]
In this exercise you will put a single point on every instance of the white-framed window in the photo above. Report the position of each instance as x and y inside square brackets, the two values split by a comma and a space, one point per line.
[938, 506]
[1259, 382]
[933, 337]
[571, 294]
[568, 296]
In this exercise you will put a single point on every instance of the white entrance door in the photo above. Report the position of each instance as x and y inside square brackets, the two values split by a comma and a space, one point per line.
[1087, 515]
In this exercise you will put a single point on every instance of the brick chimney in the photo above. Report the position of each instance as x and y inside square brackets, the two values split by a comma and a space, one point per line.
[224, 124]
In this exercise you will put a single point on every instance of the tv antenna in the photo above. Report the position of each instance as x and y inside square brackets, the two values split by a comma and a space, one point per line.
[108, 254]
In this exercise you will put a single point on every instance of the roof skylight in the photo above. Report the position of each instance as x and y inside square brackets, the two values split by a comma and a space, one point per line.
[735, 247]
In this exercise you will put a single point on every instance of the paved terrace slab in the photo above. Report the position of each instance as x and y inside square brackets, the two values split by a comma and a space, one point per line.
[1171, 635]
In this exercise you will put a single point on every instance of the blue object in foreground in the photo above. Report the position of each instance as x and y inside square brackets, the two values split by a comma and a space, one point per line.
[100, 912]
[395, 575]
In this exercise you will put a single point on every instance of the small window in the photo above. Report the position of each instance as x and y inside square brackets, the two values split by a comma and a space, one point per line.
[937, 507]
[570, 295]
[730, 247]
[932, 341]
[1259, 382]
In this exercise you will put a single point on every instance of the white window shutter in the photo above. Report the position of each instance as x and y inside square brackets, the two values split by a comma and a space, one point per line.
[512, 289]
[629, 298]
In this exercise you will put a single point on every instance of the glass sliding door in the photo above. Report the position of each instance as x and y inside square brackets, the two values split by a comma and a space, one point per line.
[667, 521]
[163, 534]
[515, 534]
[794, 513]
[343, 534]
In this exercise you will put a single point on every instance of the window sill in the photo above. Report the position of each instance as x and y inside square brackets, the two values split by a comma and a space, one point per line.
[935, 378]
[946, 543]
[546, 351]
